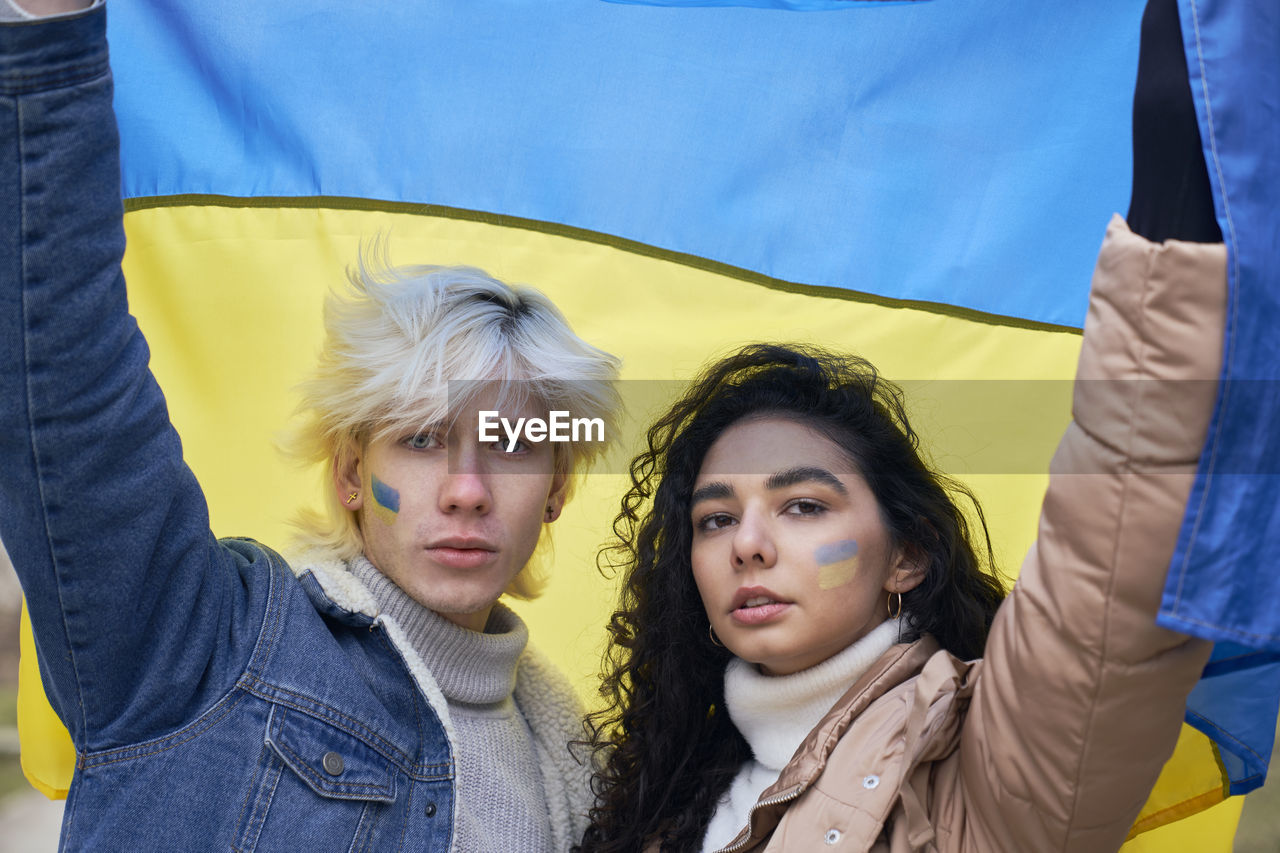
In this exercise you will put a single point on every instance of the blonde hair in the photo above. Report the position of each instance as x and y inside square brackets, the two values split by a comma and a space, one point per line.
[397, 345]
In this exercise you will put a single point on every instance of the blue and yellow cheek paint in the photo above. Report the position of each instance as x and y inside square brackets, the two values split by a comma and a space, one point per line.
[837, 563]
[386, 501]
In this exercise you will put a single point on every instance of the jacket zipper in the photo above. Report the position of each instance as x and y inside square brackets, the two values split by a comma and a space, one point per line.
[772, 801]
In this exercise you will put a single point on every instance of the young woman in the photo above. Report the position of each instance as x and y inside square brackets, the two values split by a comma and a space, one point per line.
[802, 596]
[793, 659]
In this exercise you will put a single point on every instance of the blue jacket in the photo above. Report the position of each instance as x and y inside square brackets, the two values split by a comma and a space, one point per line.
[216, 699]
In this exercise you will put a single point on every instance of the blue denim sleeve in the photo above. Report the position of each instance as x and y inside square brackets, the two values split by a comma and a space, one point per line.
[139, 615]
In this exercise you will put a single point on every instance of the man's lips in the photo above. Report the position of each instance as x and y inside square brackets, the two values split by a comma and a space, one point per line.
[462, 552]
[463, 543]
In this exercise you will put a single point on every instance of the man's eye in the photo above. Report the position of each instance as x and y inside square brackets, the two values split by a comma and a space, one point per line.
[422, 441]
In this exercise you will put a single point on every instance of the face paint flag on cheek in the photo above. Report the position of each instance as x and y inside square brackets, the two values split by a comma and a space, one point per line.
[837, 563]
[386, 501]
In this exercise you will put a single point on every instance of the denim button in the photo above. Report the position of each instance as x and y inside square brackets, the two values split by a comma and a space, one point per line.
[332, 763]
[430, 810]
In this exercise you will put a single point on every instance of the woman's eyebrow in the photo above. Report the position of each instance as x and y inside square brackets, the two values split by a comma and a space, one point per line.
[792, 476]
[711, 492]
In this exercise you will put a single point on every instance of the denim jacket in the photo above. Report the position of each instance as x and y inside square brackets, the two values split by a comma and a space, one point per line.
[216, 699]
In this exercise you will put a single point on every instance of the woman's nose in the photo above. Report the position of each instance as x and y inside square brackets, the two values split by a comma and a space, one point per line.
[753, 544]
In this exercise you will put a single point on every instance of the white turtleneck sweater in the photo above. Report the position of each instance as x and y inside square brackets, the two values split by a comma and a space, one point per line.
[501, 801]
[776, 713]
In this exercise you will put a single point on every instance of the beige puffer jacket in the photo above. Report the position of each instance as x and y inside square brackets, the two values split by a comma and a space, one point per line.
[1052, 741]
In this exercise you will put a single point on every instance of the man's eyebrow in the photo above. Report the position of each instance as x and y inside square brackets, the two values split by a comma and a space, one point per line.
[711, 492]
[792, 476]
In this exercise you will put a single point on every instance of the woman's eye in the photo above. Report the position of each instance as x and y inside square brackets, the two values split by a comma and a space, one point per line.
[803, 507]
[422, 441]
[508, 446]
[715, 521]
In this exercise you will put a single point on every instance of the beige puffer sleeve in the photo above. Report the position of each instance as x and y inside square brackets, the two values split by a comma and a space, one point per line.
[1080, 697]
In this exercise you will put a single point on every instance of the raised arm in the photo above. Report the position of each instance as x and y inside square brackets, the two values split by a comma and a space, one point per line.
[1081, 696]
[130, 597]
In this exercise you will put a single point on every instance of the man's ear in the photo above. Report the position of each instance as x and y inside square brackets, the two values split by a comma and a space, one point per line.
[347, 481]
[908, 571]
[556, 497]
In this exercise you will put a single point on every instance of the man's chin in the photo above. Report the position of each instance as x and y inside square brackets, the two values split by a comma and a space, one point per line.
[465, 607]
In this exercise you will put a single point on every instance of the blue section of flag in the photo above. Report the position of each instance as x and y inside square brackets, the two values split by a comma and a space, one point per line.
[967, 154]
[1223, 583]
[792, 5]
[1235, 704]
[1233, 49]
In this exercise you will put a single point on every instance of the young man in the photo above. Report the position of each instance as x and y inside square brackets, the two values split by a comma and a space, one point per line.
[373, 695]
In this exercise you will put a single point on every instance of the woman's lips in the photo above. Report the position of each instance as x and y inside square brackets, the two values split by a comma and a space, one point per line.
[759, 614]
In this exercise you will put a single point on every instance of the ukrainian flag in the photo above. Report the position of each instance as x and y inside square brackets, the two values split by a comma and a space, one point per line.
[924, 182]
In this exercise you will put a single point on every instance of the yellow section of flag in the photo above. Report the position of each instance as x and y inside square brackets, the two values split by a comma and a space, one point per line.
[48, 757]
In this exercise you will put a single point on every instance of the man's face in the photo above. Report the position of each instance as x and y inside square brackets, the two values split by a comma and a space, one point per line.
[449, 519]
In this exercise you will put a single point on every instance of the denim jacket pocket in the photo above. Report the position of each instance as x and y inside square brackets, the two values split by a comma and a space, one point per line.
[331, 761]
[317, 787]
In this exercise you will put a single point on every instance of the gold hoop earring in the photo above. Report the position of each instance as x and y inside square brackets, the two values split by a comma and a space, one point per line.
[894, 613]
[351, 497]
[712, 635]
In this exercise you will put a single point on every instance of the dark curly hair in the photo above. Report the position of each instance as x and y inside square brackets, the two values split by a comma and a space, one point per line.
[669, 750]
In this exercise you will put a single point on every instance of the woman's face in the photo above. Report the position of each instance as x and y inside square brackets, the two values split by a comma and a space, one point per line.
[790, 555]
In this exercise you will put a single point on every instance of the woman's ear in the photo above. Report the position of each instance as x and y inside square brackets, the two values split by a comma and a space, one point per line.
[347, 481]
[908, 571]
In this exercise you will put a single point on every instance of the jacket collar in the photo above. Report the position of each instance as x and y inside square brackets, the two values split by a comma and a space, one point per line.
[899, 664]
[332, 589]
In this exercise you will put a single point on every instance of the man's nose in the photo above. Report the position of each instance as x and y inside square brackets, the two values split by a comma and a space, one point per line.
[466, 486]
